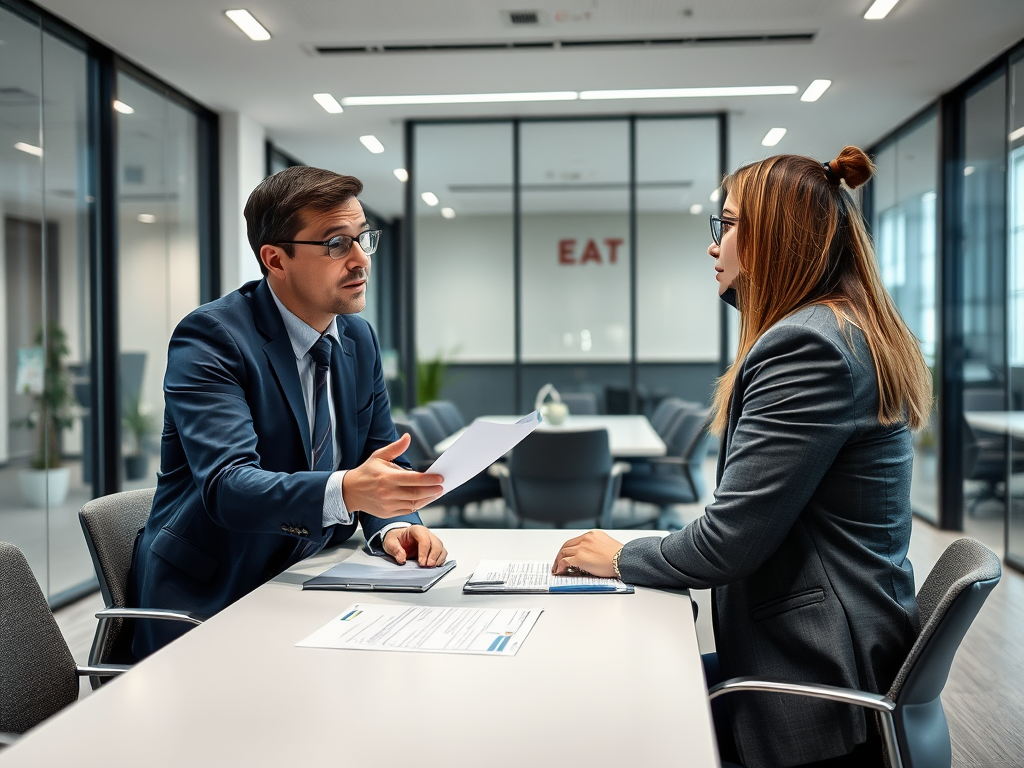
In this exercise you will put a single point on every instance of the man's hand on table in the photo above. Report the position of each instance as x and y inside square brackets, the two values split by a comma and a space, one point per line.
[383, 489]
[415, 541]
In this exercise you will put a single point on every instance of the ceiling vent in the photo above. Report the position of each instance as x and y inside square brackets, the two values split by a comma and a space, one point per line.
[520, 18]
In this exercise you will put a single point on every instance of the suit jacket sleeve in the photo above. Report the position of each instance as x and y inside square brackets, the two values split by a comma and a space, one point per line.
[797, 396]
[205, 395]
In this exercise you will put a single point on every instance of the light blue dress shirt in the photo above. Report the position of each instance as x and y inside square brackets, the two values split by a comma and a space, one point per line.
[303, 337]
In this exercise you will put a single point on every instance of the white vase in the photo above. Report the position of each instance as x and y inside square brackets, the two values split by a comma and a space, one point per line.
[45, 486]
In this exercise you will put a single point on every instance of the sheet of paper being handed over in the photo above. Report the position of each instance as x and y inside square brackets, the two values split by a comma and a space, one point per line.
[480, 446]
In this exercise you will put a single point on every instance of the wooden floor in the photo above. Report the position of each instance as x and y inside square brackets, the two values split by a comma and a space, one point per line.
[984, 698]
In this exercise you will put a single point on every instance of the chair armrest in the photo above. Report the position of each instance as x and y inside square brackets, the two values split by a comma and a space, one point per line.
[499, 471]
[102, 670]
[621, 468]
[676, 461]
[149, 613]
[875, 701]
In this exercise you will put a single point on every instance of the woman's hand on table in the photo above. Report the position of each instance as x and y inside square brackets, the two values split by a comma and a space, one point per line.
[592, 552]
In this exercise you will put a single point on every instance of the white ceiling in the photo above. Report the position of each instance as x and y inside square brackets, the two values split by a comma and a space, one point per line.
[882, 71]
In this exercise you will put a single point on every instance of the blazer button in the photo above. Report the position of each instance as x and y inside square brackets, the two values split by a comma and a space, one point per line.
[284, 528]
[304, 532]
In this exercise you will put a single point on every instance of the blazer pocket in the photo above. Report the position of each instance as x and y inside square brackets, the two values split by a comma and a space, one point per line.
[184, 555]
[364, 416]
[788, 603]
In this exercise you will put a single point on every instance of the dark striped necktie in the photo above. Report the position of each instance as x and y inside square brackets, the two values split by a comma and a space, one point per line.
[323, 443]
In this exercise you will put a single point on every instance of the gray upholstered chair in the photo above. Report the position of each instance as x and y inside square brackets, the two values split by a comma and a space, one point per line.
[580, 403]
[910, 715]
[560, 477]
[429, 425]
[38, 676]
[448, 414]
[110, 524]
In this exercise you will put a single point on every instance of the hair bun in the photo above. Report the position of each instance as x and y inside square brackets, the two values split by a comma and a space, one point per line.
[852, 166]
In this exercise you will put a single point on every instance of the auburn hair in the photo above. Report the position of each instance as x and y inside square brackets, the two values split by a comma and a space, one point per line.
[801, 240]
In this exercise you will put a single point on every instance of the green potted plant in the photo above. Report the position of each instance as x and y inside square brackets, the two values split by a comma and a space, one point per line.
[47, 481]
[430, 377]
[138, 424]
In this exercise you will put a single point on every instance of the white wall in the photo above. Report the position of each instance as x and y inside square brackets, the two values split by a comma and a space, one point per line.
[242, 167]
[574, 309]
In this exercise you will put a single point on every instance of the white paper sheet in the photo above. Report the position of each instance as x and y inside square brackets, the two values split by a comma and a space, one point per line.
[371, 627]
[535, 576]
[480, 446]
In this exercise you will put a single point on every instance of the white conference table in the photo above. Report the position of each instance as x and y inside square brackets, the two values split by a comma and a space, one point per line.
[602, 680]
[629, 437]
[1001, 422]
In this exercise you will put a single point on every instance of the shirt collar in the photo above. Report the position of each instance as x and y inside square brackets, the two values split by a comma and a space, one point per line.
[301, 335]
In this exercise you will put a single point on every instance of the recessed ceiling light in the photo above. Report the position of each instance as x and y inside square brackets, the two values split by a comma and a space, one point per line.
[372, 143]
[430, 198]
[401, 174]
[245, 22]
[773, 137]
[123, 108]
[929, 197]
[968, 170]
[880, 9]
[1018, 134]
[30, 149]
[328, 102]
[715, 195]
[146, 218]
[457, 98]
[696, 209]
[448, 213]
[692, 93]
[815, 89]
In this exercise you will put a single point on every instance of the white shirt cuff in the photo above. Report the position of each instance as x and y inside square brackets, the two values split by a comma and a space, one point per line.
[335, 511]
[376, 542]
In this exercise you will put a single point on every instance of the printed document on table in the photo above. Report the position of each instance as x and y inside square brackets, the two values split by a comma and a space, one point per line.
[370, 627]
[482, 444]
[535, 577]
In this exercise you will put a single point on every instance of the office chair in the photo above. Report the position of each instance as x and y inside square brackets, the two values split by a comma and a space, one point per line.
[448, 414]
[38, 676]
[910, 716]
[110, 524]
[561, 477]
[677, 478]
[421, 455]
[580, 403]
[428, 424]
[664, 412]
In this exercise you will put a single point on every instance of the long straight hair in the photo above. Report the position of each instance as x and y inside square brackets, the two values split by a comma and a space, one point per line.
[801, 240]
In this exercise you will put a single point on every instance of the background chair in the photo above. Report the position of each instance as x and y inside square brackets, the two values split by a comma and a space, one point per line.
[448, 414]
[580, 403]
[910, 715]
[677, 478]
[110, 524]
[429, 425]
[421, 455]
[561, 477]
[38, 676]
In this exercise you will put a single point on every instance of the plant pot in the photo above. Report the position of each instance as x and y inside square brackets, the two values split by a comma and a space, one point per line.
[45, 486]
[136, 467]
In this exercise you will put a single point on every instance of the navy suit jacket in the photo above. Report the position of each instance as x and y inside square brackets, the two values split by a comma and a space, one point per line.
[236, 501]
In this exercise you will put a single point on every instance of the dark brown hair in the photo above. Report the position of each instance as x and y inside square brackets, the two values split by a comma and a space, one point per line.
[801, 240]
[275, 209]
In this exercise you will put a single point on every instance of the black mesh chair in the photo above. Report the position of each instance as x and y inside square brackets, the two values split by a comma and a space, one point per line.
[448, 414]
[110, 524]
[910, 715]
[677, 478]
[38, 676]
[580, 403]
[561, 477]
[421, 455]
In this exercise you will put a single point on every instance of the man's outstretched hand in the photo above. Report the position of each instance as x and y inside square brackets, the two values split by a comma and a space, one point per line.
[381, 488]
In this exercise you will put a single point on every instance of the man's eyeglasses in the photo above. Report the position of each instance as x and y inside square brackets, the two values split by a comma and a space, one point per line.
[719, 226]
[339, 245]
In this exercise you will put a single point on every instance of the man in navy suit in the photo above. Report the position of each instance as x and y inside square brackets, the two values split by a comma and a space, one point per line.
[277, 437]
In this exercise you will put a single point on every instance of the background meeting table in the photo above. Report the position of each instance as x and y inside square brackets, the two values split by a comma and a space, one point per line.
[629, 437]
[602, 680]
[1000, 422]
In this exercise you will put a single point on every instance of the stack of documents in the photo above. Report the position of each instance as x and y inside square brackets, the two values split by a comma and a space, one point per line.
[380, 575]
[512, 577]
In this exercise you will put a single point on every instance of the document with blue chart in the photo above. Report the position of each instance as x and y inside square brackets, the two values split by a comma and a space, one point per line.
[535, 577]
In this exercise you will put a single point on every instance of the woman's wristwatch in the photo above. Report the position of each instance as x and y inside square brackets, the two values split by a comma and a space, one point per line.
[615, 563]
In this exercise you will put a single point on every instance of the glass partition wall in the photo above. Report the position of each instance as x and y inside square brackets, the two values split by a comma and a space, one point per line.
[566, 251]
[1015, 315]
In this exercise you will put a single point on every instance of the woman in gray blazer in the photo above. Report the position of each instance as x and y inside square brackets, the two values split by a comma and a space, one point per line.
[805, 545]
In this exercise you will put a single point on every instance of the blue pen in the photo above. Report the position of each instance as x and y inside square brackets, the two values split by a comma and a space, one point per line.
[583, 588]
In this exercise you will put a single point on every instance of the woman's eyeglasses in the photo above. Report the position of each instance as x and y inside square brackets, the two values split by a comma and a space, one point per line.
[719, 226]
[339, 245]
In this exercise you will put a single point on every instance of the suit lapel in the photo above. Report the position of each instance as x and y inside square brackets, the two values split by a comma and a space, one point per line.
[282, 359]
[343, 383]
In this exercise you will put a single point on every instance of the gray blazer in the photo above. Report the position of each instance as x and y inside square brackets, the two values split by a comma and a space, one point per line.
[805, 545]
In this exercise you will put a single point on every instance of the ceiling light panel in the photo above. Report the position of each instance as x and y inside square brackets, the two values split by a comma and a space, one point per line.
[328, 102]
[248, 24]
[773, 137]
[448, 213]
[430, 199]
[880, 9]
[29, 149]
[457, 98]
[372, 143]
[401, 174]
[815, 90]
[692, 93]
[123, 108]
